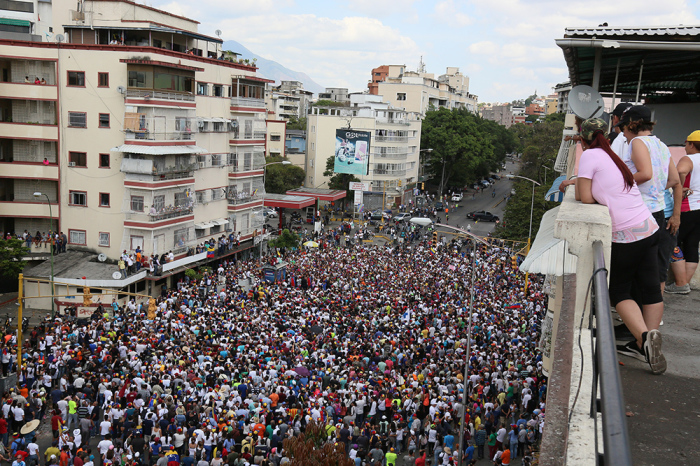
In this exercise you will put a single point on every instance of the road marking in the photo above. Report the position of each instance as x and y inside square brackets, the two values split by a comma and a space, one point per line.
[498, 203]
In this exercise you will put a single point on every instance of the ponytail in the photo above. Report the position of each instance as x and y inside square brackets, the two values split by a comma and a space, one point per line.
[601, 142]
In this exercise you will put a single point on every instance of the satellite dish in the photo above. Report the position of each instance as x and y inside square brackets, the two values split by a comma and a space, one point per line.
[60, 38]
[117, 275]
[102, 258]
[218, 32]
[585, 102]
[121, 89]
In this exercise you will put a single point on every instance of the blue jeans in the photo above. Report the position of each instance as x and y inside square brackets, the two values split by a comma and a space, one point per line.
[513, 450]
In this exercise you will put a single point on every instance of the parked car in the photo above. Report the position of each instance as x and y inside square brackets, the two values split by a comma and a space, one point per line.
[456, 197]
[476, 186]
[483, 216]
[485, 183]
[378, 214]
[269, 213]
[439, 205]
[402, 217]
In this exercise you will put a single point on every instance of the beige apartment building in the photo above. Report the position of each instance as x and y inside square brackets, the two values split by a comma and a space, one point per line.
[139, 132]
[418, 92]
[394, 146]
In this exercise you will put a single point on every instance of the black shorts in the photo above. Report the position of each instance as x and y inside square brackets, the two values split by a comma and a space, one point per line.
[689, 235]
[635, 265]
[667, 242]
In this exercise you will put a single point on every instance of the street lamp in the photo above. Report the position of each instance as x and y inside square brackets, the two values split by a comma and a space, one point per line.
[421, 168]
[532, 207]
[545, 172]
[38, 195]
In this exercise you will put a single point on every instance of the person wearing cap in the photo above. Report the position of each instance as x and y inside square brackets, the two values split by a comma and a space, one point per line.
[654, 171]
[604, 178]
[689, 234]
[615, 116]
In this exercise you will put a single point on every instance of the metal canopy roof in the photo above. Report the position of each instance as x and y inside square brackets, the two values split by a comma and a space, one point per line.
[288, 201]
[318, 193]
[669, 56]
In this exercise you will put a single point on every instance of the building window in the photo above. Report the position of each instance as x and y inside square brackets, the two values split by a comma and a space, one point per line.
[104, 120]
[180, 237]
[104, 160]
[215, 229]
[202, 89]
[200, 196]
[218, 90]
[77, 198]
[313, 128]
[77, 237]
[76, 78]
[275, 137]
[104, 199]
[103, 240]
[77, 159]
[400, 96]
[102, 79]
[137, 203]
[218, 127]
[77, 119]
[136, 242]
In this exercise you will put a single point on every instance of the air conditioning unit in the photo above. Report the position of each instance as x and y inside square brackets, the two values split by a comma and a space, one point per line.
[71, 164]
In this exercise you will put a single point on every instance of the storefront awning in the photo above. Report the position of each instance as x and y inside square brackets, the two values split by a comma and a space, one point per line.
[288, 201]
[549, 255]
[219, 221]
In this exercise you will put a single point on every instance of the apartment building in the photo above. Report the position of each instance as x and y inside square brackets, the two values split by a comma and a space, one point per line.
[138, 132]
[501, 114]
[394, 146]
[336, 94]
[418, 92]
[562, 92]
[288, 100]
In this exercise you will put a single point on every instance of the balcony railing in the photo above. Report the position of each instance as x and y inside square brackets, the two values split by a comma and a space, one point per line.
[160, 215]
[383, 171]
[391, 155]
[174, 173]
[243, 198]
[139, 93]
[247, 102]
[391, 138]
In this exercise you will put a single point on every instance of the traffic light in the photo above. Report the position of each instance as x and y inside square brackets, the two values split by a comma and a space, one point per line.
[399, 183]
[87, 297]
[435, 239]
[514, 261]
[422, 186]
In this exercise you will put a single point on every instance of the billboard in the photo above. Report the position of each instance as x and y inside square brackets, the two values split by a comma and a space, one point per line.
[351, 152]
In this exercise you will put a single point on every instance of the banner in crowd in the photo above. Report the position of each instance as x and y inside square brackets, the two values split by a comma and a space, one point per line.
[351, 152]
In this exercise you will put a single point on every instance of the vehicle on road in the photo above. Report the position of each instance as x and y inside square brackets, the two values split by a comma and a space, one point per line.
[483, 216]
[457, 197]
[439, 205]
[378, 214]
[495, 176]
[269, 213]
[402, 216]
[485, 183]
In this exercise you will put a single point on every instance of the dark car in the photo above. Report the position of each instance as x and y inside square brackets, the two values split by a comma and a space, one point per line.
[439, 205]
[483, 216]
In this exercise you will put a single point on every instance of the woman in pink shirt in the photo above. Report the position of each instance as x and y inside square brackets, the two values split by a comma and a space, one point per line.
[603, 178]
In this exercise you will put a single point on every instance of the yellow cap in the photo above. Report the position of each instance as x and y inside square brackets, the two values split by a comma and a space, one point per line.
[694, 136]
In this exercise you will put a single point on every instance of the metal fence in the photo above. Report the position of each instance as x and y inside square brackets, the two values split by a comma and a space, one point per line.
[616, 444]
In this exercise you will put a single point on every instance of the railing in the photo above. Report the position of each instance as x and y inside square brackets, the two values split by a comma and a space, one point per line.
[382, 171]
[616, 442]
[148, 135]
[174, 173]
[138, 93]
[247, 102]
[391, 138]
[392, 155]
[394, 121]
[241, 198]
[168, 213]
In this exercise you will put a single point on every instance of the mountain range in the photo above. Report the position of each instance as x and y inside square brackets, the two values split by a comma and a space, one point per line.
[272, 70]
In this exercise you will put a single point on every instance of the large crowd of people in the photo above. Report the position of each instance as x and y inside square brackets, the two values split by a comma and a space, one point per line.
[368, 342]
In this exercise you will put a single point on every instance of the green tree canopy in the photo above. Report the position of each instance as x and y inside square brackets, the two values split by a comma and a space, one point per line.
[11, 253]
[466, 145]
[288, 239]
[281, 178]
[296, 123]
[339, 180]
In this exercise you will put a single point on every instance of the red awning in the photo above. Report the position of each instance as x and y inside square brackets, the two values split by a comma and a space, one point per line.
[287, 201]
[320, 194]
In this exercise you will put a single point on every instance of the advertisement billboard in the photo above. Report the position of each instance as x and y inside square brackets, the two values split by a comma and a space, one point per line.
[351, 152]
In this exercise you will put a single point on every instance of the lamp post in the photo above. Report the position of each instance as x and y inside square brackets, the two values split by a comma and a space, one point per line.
[532, 207]
[48, 201]
[545, 172]
[283, 162]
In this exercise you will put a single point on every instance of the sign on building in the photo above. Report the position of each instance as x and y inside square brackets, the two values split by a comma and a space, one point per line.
[351, 152]
[357, 186]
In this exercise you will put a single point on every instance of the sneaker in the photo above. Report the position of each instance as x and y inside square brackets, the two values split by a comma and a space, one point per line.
[622, 334]
[632, 350]
[652, 350]
[675, 289]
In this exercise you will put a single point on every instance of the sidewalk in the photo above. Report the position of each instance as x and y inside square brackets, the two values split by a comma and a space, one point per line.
[663, 412]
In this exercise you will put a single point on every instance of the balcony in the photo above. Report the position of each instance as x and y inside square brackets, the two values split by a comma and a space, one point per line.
[34, 171]
[139, 127]
[397, 155]
[391, 139]
[27, 208]
[247, 102]
[28, 91]
[159, 95]
[159, 215]
[384, 171]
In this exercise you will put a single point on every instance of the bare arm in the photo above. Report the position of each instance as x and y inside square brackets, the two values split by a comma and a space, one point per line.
[642, 161]
[674, 182]
[583, 191]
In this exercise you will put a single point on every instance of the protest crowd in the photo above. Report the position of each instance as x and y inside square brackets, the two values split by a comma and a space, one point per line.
[367, 342]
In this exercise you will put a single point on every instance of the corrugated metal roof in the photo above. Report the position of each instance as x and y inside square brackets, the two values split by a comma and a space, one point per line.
[679, 30]
[158, 150]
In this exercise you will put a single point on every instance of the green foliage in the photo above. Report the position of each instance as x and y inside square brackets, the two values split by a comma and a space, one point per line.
[11, 253]
[532, 118]
[339, 180]
[288, 239]
[193, 275]
[468, 146]
[296, 123]
[328, 103]
[516, 218]
[555, 117]
[281, 178]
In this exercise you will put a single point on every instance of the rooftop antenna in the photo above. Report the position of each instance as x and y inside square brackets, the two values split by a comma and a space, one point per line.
[421, 65]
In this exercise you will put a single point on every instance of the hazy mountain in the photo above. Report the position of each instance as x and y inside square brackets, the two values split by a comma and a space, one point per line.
[273, 70]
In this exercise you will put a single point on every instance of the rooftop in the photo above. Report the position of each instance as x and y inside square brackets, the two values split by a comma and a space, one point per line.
[74, 265]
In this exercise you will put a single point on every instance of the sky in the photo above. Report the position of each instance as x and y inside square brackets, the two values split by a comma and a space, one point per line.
[506, 47]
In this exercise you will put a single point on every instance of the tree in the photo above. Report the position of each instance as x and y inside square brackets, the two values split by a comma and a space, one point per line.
[463, 144]
[296, 123]
[311, 448]
[281, 178]
[288, 239]
[11, 263]
[339, 180]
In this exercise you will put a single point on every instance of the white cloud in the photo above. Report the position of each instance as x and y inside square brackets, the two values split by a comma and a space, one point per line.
[484, 48]
[446, 12]
[381, 8]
